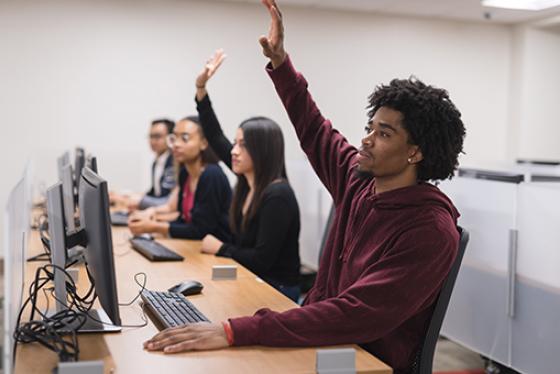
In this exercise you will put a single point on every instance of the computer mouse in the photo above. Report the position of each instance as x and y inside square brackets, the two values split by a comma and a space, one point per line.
[187, 288]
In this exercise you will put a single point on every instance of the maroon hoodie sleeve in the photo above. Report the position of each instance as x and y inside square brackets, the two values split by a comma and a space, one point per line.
[377, 303]
[328, 151]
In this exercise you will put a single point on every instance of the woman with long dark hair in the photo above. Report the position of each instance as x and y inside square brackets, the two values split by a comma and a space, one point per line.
[264, 214]
[202, 196]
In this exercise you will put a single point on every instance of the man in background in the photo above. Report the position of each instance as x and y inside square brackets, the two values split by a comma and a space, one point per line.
[163, 174]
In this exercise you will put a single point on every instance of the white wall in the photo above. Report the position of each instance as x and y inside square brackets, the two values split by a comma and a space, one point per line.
[95, 73]
[538, 95]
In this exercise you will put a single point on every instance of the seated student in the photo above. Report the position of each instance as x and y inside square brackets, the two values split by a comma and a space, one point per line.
[394, 235]
[264, 215]
[163, 173]
[203, 193]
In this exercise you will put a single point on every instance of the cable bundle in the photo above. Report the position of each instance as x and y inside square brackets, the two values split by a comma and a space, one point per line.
[50, 331]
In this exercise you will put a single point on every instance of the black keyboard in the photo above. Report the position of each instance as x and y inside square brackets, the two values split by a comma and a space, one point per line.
[119, 219]
[171, 309]
[154, 251]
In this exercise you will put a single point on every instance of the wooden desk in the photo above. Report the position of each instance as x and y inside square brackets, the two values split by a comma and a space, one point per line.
[123, 352]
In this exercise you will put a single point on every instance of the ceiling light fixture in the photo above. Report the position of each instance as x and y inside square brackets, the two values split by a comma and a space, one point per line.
[521, 4]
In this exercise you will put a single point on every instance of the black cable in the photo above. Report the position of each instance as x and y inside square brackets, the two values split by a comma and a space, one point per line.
[58, 332]
[45, 240]
[51, 330]
[142, 288]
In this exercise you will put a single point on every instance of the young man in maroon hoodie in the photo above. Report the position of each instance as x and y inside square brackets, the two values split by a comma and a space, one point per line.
[394, 236]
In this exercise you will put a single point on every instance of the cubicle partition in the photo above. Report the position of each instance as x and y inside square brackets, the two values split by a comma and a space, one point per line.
[477, 313]
[536, 323]
[506, 300]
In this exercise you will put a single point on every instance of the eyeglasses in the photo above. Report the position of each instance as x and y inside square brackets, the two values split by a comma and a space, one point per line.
[156, 136]
[172, 138]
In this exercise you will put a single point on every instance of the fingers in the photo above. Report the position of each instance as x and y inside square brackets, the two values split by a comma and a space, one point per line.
[188, 337]
[265, 44]
[219, 61]
[172, 340]
[165, 334]
[212, 65]
[188, 345]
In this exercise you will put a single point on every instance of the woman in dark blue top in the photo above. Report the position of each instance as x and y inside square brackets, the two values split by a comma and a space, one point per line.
[264, 215]
[202, 196]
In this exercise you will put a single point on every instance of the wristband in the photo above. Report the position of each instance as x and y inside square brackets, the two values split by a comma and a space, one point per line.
[228, 331]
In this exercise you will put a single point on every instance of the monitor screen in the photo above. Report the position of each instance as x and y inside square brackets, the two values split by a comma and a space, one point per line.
[57, 235]
[95, 220]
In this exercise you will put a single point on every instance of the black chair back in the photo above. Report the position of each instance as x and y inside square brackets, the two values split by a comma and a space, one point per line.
[424, 359]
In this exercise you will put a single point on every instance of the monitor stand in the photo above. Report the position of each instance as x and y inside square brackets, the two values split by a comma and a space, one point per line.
[97, 322]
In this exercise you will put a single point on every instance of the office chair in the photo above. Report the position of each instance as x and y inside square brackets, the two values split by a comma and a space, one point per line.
[307, 276]
[425, 356]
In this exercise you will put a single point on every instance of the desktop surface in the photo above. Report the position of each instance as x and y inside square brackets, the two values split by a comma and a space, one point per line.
[220, 299]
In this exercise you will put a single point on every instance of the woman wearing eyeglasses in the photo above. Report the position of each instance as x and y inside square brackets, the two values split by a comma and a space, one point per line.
[264, 215]
[202, 196]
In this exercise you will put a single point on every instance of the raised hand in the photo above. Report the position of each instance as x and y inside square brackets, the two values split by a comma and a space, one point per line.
[210, 68]
[273, 44]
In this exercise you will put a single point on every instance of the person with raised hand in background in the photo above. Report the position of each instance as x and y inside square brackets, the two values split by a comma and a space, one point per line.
[394, 236]
[264, 215]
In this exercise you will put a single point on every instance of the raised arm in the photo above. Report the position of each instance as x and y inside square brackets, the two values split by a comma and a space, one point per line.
[208, 120]
[329, 152]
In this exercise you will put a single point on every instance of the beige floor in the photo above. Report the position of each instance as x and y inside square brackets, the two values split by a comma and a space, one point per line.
[450, 356]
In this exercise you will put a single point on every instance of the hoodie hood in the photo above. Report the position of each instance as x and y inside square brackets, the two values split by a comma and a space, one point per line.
[420, 195]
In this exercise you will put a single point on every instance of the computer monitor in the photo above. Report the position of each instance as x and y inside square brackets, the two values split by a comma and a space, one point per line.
[92, 163]
[95, 220]
[96, 235]
[61, 161]
[79, 163]
[16, 237]
[68, 197]
[57, 235]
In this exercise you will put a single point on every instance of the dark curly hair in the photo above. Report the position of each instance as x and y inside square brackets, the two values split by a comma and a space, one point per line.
[432, 121]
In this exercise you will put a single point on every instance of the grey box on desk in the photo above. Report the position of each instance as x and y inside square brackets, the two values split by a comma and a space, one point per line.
[224, 272]
[336, 361]
[81, 367]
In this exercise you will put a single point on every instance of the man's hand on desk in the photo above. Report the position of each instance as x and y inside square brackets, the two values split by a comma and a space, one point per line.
[195, 337]
[211, 244]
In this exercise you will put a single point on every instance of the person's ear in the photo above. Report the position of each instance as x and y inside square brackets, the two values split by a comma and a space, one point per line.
[415, 155]
[203, 144]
